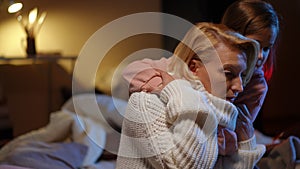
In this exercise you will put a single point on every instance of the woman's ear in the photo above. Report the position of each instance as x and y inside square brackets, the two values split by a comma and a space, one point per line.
[194, 64]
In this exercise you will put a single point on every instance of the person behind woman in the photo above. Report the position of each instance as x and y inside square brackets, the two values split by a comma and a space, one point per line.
[258, 20]
[175, 126]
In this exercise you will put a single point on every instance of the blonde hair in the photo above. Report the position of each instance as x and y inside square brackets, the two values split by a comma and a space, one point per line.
[201, 40]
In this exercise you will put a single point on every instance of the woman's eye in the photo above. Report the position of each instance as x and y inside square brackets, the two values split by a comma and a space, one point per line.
[229, 74]
[265, 49]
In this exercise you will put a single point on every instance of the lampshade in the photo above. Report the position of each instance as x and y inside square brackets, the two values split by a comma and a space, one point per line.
[14, 7]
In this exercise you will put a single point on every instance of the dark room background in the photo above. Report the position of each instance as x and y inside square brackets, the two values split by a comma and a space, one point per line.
[280, 112]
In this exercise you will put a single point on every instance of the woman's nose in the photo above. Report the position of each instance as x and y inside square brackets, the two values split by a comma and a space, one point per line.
[237, 85]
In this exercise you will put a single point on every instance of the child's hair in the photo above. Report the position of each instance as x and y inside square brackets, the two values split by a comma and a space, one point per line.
[201, 41]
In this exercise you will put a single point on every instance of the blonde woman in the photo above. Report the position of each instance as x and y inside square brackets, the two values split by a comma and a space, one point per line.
[175, 125]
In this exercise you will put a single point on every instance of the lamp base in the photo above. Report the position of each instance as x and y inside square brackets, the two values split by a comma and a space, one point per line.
[31, 50]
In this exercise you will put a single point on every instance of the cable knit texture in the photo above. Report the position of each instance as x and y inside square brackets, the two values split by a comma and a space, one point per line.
[178, 129]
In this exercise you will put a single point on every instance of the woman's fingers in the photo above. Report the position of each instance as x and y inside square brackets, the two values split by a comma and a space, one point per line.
[157, 82]
[244, 127]
[166, 77]
[152, 84]
[227, 141]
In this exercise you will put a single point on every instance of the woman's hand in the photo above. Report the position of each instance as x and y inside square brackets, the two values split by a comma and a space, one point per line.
[158, 82]
[227, 141]
[144, 80]
[244, 127]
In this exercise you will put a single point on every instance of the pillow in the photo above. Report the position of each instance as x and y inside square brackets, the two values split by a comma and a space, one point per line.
[112, 109]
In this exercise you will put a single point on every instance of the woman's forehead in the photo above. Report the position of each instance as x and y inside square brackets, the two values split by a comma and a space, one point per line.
[231, 53]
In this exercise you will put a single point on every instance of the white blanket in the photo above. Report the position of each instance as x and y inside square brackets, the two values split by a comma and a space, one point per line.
[80, 120]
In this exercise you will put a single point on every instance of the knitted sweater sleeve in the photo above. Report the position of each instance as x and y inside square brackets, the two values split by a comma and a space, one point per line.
[247, 156]
[165, 139]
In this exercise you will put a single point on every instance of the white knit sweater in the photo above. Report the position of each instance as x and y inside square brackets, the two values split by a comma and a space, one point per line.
[178, 129]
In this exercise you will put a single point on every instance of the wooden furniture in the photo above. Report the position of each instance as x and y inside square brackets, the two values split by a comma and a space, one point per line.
[32, 88]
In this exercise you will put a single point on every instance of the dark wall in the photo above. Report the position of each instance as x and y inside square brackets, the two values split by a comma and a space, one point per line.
[280, 111]
[194, 11]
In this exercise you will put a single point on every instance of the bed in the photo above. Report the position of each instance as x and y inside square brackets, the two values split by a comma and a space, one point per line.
[85, 134]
